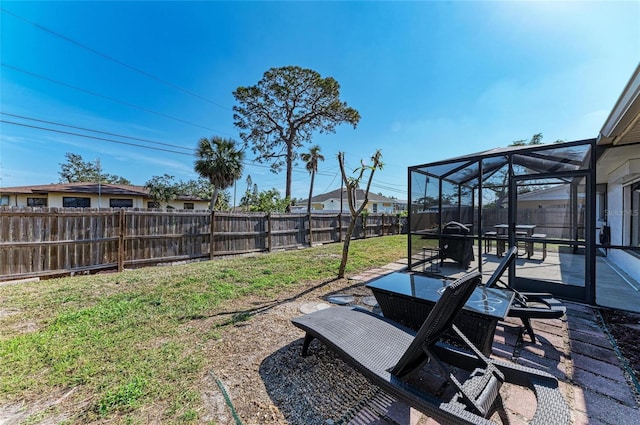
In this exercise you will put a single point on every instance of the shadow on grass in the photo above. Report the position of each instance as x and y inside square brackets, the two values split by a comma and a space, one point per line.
[238, 316]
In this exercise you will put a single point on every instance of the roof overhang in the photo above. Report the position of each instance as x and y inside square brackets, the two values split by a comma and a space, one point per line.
[623, 124]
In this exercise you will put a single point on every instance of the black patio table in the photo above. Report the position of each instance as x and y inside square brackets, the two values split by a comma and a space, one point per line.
[521, 229]
[408, 298]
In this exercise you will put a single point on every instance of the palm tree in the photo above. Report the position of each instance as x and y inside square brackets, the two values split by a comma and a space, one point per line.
[220, 162]
[311, 158]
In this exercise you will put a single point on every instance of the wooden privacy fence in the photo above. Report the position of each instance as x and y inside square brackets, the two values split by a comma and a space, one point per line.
[38, 242]
[555, 222]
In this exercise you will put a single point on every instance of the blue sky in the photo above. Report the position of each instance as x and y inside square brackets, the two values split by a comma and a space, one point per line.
[431, 80]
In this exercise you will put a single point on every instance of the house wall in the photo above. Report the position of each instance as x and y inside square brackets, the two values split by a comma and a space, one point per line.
[619, 220]
[334, 205]
[179, 205]
[102, 201]
[54, 200]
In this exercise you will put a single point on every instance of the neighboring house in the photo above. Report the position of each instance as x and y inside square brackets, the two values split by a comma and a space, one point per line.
[330, 202]
[618, 178]
[400, 205]
[91, 195]
[552, 197]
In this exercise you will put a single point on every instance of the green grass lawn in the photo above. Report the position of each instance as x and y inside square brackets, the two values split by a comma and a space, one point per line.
[118, 344]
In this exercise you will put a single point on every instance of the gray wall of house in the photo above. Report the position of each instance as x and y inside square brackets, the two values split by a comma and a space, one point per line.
[619, 220]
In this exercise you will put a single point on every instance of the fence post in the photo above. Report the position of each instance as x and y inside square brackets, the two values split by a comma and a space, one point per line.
[269, 231]
[212, 230]
[382, 225]
[310, 240]
[363, 224]
[121, 222]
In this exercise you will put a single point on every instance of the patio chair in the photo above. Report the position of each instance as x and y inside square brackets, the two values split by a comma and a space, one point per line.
[391, 356]
[526, 305]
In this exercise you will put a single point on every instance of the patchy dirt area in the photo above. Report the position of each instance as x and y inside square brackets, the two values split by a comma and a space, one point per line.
[625, 329]
[250, 358]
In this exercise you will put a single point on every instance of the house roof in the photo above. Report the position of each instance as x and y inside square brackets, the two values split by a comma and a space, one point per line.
[621, 133]
[87, 188]
[623, 124]
[335, 194]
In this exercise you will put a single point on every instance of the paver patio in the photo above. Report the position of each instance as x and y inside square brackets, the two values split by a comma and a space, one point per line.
[577, 350]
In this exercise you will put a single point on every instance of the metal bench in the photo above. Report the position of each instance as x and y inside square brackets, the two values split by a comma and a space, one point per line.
[542, 238]
[489, 237]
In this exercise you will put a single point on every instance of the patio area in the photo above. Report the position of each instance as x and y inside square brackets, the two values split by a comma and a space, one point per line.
[615, 288]
[577, 350]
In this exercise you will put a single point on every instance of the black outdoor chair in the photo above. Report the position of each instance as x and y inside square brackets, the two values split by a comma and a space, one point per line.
[391, 356]
[526, 305]
[456, 244]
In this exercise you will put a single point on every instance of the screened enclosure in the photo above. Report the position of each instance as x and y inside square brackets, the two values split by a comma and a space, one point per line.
[539, 198]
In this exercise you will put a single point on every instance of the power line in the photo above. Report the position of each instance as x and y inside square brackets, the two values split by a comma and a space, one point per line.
[112, 59]
[332, 180]
[91, 137]
[389, 189]
[192, 151]
[96, 131]
[131, 105]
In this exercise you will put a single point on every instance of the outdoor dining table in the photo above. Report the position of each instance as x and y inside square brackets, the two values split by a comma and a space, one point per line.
[521, 230]
[408, 298]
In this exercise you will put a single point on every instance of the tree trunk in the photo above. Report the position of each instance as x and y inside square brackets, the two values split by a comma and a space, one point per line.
[287, 193]
[345, 247]
[214, 198]
[313, 174]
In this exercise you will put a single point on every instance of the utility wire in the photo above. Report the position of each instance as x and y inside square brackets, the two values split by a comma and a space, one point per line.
[131, 105]
[96, 131]
[112, 59]
[332, 180]
[192, 153]
[91, 137]
[127, 104]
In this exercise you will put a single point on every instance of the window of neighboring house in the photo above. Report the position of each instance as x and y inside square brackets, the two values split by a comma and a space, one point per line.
[188, 205]
[36, 202]
[153, 204]
[375, 208]
[4, 200]
[120, 203]
[75, 202]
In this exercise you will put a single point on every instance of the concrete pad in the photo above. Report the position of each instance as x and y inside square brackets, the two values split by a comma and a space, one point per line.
[313, 306]
[341, 299]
